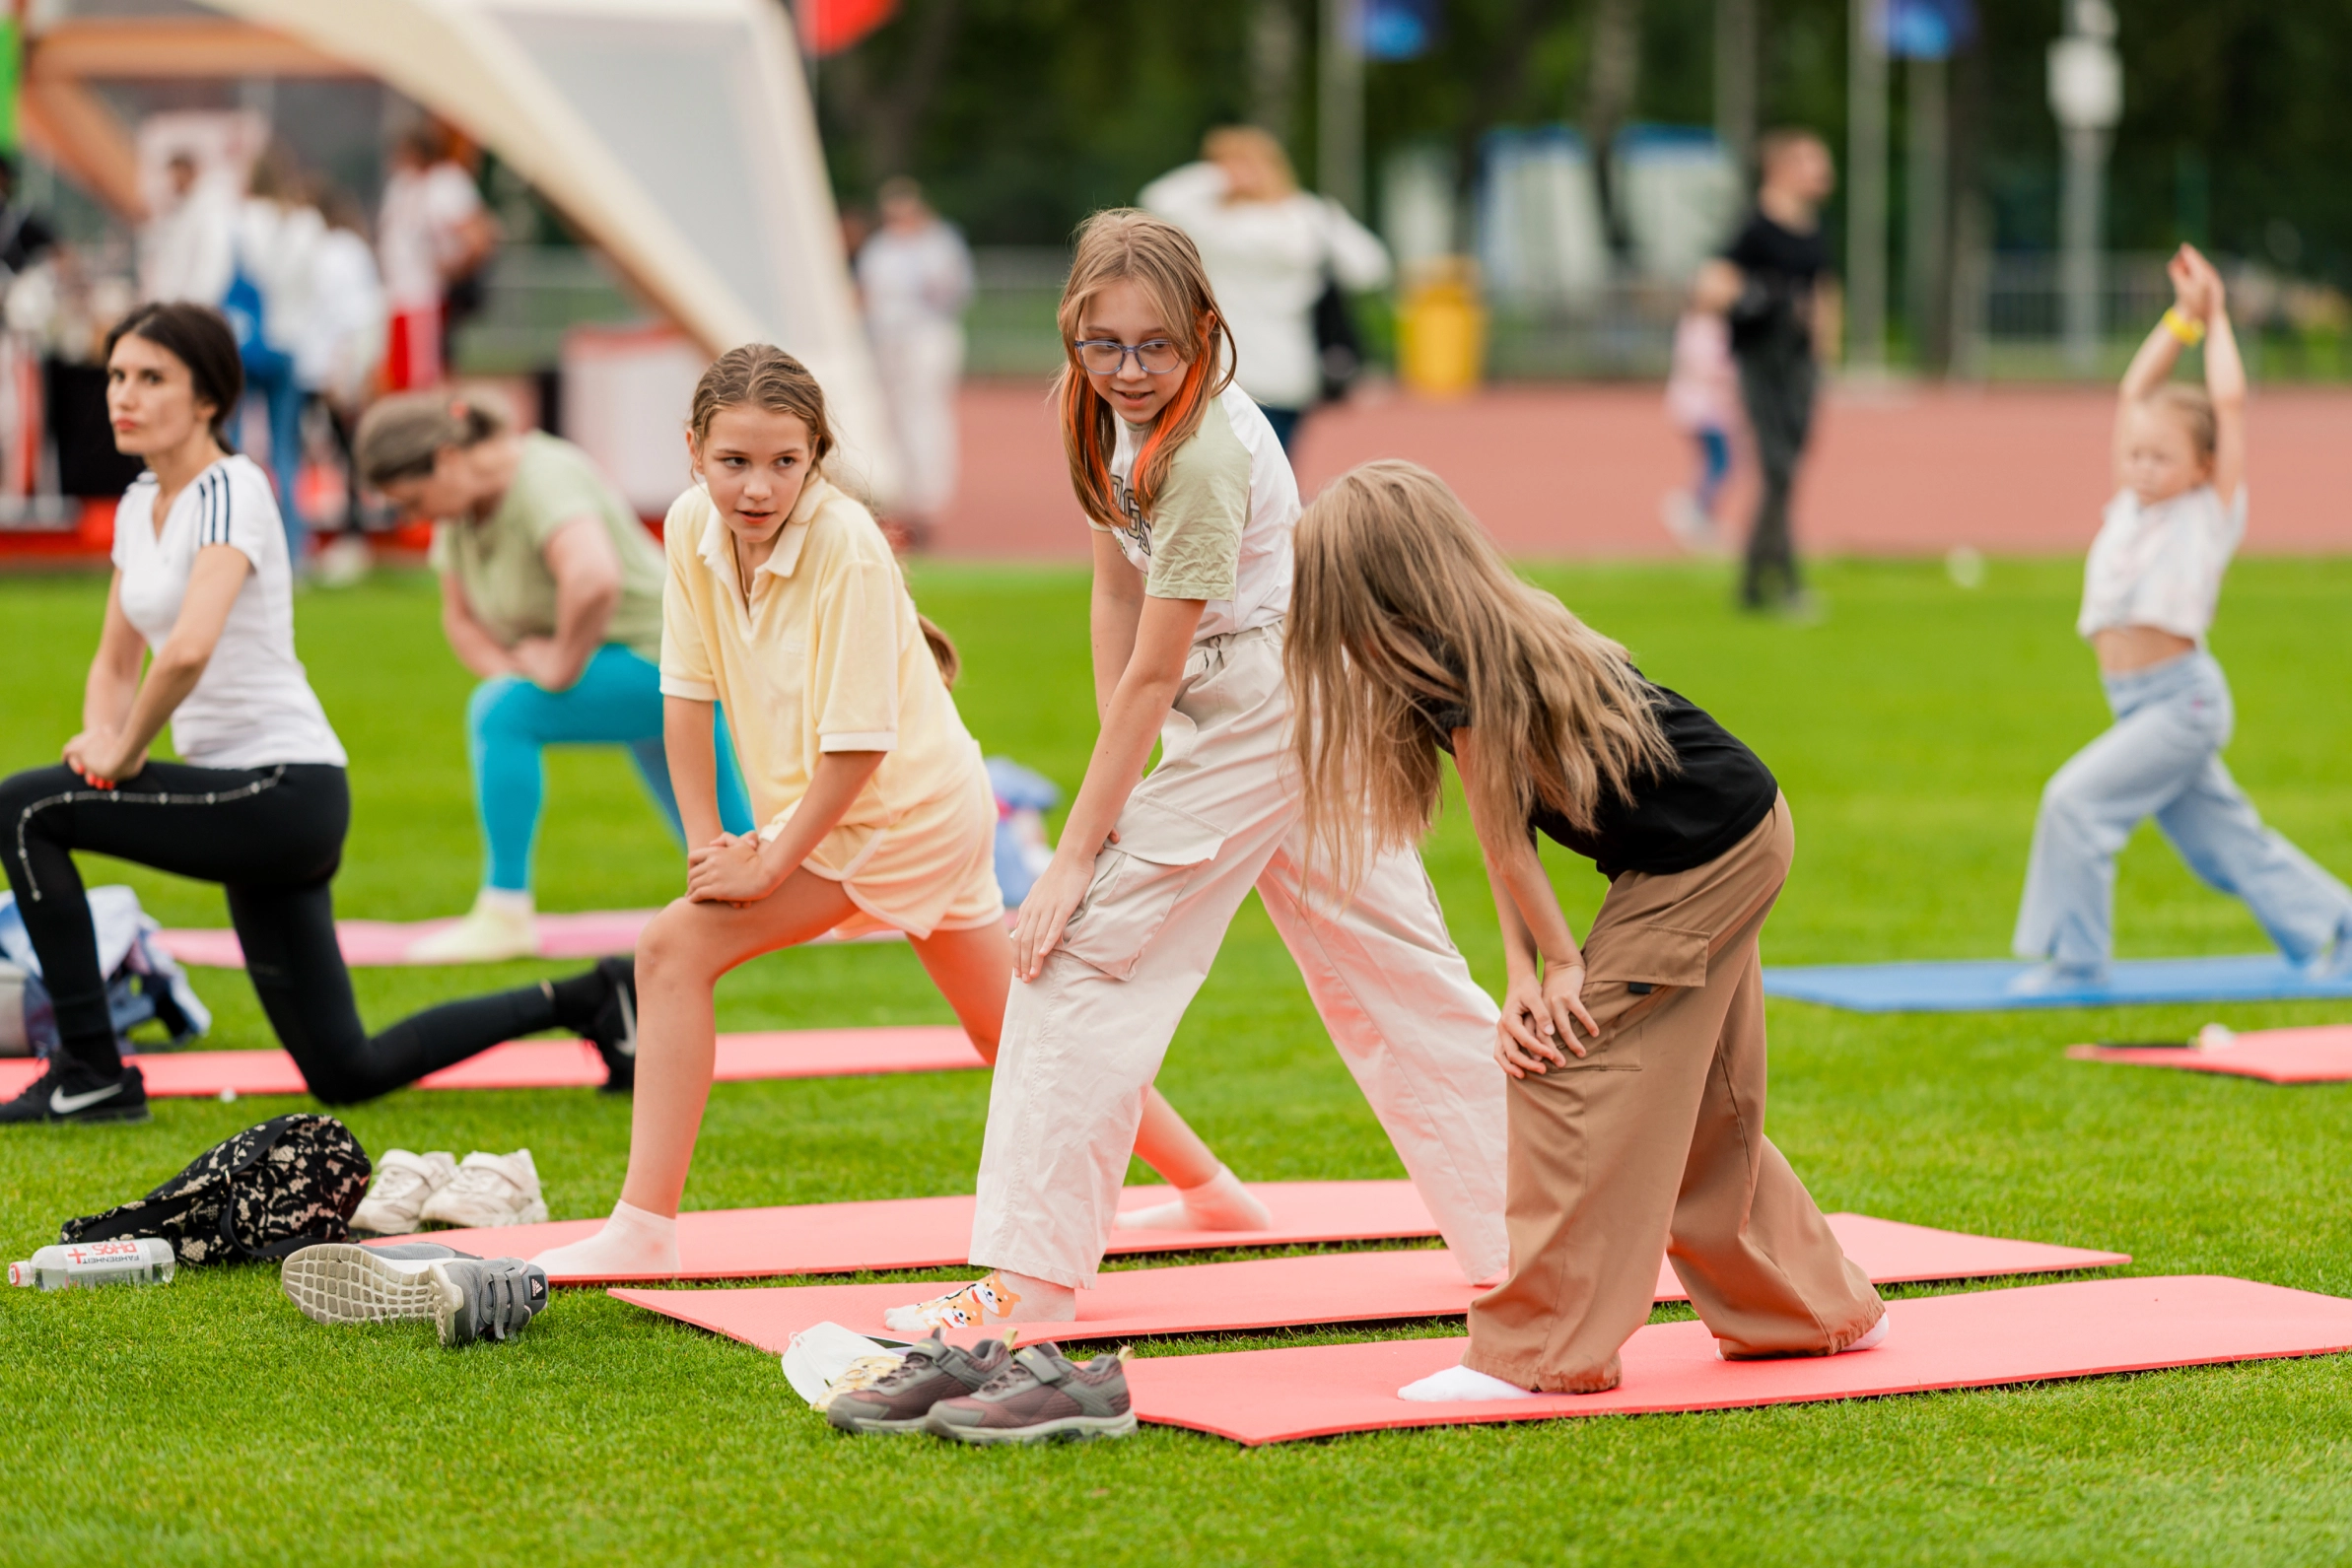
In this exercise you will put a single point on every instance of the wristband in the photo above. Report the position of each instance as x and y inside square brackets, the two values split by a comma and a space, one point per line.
[2190, 333]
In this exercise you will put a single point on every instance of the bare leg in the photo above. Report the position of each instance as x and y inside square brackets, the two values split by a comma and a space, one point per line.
[679, 959]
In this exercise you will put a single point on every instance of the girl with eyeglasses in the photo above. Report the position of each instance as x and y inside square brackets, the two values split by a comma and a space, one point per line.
[786, 608]
[1192, 503]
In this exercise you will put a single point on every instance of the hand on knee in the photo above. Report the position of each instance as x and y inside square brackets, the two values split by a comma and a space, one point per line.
[671, 951]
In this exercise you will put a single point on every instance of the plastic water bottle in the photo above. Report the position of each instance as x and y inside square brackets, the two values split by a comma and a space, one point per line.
[147, 1260]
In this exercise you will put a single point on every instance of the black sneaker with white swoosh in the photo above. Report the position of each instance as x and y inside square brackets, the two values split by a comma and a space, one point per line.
[70, 1092]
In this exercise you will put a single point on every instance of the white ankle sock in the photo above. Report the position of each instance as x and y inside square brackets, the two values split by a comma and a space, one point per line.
[634, 1241]
[1219, 1203]
[507, 901]
[1461, 1383]
[1876, 1337]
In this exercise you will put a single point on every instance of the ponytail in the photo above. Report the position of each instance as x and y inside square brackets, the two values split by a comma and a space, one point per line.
[400, 436]
[942, 649]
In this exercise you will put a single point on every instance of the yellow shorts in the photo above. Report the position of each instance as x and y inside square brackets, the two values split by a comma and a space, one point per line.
[933, 870]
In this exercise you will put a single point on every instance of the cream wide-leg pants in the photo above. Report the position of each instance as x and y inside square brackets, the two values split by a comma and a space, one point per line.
[1083, 1040]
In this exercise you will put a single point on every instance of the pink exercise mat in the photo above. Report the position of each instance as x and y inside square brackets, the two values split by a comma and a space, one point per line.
[936, 1232]
[2321, 1054]
[377, 944]
[562, 1064]
[1293, 1292]
[1982, 1339]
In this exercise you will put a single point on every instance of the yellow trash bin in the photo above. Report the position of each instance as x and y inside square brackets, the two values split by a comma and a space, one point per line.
[1441, 334]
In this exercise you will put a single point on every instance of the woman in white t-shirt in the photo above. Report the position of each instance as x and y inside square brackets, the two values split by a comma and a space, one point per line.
[2148, 592]
[1269, 248]
[1191, 504]
[259, 804]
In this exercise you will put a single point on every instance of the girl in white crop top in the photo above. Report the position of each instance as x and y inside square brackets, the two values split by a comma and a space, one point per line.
[2149, 591]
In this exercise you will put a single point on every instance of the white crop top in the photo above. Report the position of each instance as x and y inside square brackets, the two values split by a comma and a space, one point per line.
[252, 706]
[2161, 566]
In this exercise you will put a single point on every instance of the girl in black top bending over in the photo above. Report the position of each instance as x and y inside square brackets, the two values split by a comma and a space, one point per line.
[1636, 1060]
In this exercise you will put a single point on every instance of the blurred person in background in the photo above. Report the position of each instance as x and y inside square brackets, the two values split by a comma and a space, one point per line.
[25, 234]
[433, 235]
[2150, 590]
[335, 365]
[1702, 396]
[188, 249]
[1272, 251]
[1785, 320]
[915, 274]
[552, 592]
[271, 301]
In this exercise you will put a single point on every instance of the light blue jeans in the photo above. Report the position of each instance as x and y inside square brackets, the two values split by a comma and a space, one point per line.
[616, 702]
[2163, 759]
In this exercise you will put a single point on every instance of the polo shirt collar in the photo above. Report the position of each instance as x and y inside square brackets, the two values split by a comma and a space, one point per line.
[718, 545]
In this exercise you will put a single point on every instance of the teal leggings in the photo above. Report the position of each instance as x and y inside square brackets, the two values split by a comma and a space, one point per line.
[616, 702]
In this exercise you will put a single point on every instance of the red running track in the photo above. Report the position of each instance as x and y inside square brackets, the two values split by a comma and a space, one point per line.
[1579, 470]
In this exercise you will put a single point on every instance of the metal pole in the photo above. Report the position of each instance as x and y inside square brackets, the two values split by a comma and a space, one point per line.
[1340, 105]
[2086, 93]
[1927, 152]
[2079, 261]
[1866, 188]
[1734, 79]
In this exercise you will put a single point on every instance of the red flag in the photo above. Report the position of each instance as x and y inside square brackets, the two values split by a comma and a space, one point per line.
[828, 26]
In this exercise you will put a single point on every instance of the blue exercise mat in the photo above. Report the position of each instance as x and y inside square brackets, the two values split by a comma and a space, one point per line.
[1984, 986]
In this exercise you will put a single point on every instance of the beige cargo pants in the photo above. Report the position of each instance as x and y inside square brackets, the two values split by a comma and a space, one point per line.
[1652, 1146]
[1081, 1041]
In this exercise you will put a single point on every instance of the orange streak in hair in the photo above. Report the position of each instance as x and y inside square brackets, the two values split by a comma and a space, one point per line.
[1145, 482]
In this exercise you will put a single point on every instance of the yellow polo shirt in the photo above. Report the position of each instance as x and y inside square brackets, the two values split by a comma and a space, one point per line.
[823, 653]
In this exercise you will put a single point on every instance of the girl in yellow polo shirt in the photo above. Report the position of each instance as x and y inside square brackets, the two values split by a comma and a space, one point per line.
[786, 606]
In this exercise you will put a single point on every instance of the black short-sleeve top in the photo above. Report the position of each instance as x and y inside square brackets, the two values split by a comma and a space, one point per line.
[1675, 821]
[1780, 266]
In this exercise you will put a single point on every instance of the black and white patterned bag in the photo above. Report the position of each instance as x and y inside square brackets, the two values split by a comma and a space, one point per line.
[272, 1190]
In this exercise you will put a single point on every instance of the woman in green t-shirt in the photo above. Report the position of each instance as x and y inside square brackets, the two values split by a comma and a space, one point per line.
[552, 592]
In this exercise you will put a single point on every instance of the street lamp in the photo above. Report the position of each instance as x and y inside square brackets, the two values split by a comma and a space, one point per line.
[2086, 93]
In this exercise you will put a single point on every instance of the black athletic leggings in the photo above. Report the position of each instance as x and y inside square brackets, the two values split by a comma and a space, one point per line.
[272, 838]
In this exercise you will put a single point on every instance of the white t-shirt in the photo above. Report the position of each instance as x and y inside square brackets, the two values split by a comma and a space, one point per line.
[252, 706]
[2161, 566]
[1220, 525]
[914, 281]
[417, 232]
[1266, 262]
[343, 338]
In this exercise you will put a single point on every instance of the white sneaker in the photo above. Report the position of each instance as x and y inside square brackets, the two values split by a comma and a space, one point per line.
[344, 561]
[490, 1190]
[1689, 524]
[501, 925]
[403, 1183]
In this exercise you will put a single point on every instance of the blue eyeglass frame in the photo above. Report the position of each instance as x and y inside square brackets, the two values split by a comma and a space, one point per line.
[1126, 349]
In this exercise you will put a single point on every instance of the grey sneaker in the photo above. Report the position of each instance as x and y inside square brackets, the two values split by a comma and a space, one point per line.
[478, 1297]
[1041, 1395]
[933, 1370]
[344, 1282]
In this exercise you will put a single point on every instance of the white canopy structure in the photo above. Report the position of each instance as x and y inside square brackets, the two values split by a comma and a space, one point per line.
[678, 135]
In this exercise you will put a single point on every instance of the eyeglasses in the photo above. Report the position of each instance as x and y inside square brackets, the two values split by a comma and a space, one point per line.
[1104, 357]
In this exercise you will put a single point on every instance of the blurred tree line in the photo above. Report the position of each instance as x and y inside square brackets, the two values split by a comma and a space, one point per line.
[1022, 116]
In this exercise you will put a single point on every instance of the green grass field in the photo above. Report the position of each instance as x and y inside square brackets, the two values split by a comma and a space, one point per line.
[1912, 730]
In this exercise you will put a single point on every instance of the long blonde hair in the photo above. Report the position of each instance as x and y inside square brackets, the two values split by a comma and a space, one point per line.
[1401, 605]
[1123, 245]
